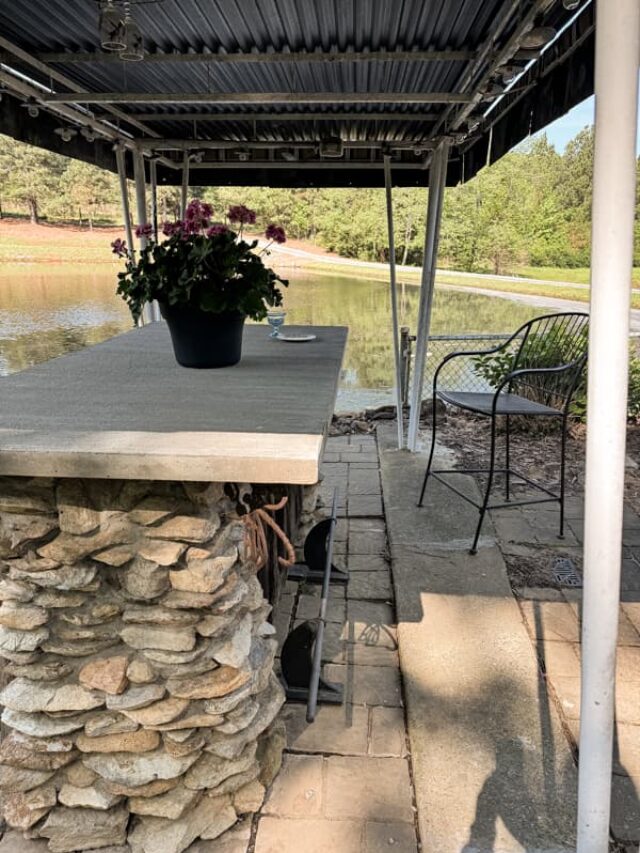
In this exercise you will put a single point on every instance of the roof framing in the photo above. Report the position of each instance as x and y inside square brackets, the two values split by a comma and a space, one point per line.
[397, 81]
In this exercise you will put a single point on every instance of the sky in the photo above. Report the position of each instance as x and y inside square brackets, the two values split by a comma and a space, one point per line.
[564, 129]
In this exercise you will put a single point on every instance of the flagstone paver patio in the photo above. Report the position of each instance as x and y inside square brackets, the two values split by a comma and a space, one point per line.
[497, 699]
[346, 779]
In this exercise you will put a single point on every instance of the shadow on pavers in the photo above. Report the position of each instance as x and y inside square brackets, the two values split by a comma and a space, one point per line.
[492, 767]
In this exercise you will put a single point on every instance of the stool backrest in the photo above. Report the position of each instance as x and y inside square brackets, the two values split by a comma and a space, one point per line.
[551, 341]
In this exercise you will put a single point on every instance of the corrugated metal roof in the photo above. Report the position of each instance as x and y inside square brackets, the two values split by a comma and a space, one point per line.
[277, 26]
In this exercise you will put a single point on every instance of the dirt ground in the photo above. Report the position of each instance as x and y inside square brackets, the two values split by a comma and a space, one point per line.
[537, 453]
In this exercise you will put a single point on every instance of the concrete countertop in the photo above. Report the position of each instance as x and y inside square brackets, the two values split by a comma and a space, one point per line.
[126, 409]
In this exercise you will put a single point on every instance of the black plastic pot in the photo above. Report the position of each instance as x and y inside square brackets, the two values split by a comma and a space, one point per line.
[203, 339]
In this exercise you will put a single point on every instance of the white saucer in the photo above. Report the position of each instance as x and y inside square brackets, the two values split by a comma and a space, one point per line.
[296, 339]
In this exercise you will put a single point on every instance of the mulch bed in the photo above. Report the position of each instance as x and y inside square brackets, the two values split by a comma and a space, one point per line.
[535, 451]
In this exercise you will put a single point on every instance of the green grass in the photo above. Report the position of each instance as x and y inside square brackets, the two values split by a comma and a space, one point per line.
[530, 288]
[93, 248]
[87, 251]
[576, 275]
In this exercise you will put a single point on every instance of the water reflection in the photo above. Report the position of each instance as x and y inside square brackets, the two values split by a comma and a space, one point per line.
[46, 311]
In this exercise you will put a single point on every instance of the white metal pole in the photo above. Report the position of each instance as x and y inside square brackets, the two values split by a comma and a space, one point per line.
[614, 187]
[153, 181]
[185, 184]
[143, 217]
[437, 182]
[124, 195]
[394, 299]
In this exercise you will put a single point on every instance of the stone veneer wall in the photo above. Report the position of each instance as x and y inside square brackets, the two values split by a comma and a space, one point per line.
[142, 703]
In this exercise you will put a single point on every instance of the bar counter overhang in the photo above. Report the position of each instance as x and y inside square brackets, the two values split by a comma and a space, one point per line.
[143, 706]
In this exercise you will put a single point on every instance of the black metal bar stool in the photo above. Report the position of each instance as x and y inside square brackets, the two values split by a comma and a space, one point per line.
[549, 355]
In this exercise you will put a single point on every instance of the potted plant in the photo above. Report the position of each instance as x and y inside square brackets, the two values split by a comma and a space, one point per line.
[207, 280]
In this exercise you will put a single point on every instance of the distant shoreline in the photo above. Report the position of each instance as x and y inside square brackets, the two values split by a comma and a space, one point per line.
[25, 245]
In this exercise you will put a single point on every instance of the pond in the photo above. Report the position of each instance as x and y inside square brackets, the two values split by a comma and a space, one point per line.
[49, 310]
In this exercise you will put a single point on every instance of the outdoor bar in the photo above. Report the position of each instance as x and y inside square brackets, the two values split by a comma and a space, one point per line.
[136, 614]
[135, 620]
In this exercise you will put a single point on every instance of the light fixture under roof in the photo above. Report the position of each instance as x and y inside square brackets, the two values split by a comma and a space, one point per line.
[31, 107]
[134, 48]
[508, 73]
[66, 134]
[111, 25]
[331, 147]
[537, 37]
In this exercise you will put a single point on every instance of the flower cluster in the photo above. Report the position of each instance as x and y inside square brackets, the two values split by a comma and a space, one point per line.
[119, 248]
[197, 221]
[144, 230]
[203, 263]
[216, 229]
[241, 214]
[275, 233]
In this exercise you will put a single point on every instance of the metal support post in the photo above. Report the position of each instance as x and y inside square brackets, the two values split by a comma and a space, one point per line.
[437, 183]
[153, 180]
[405, 362]
[124, 195]
[394, 300]
[185, 184]
[148, 312]
[614, 188]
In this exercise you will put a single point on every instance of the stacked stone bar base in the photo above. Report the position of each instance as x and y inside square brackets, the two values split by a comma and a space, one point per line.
[142, 704]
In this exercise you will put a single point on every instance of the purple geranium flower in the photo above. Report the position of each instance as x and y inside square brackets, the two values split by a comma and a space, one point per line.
[144, 230]
[240, 213]
[119, 248]
[216, 229]
[171, 228]
[275, 233]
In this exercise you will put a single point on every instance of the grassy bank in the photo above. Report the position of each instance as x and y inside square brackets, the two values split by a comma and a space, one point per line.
[444, 277]
[23, 243]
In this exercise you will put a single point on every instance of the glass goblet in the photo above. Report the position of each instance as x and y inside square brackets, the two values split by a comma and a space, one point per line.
[275, 318]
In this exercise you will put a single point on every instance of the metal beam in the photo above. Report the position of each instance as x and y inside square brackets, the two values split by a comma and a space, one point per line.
[124, 196]
[394, 300]
[261, 145]
[437, 183]
[155, 55]
[260, 98]
[15, 52]
[148, 312]
[261, 57]
[614, 199]
[284, 117]
[153, 182]
[495, 59]
[347, 165]
[27, 90]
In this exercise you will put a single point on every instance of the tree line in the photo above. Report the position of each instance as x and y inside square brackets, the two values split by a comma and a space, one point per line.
[532, 207]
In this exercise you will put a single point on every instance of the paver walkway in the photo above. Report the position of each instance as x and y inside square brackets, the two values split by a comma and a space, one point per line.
[493, 769]
[346, 781]
[552, 618]
[492, 668]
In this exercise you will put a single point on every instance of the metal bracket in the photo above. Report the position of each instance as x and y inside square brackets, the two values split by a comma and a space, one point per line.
[315, 558]
[296, 660]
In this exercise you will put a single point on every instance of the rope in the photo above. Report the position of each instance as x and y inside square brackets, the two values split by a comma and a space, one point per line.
[255, 540]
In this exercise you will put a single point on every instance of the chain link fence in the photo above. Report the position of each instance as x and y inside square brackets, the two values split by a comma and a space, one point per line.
[460, 373]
